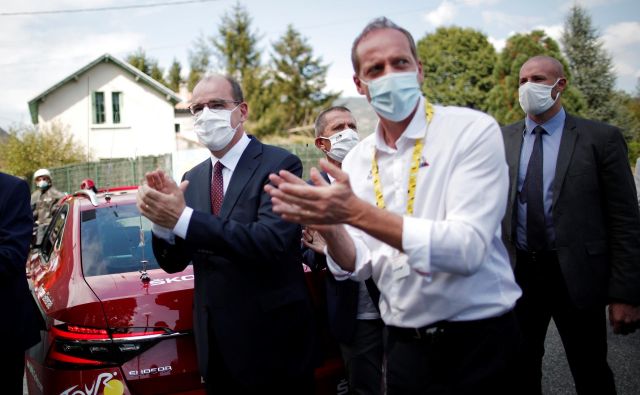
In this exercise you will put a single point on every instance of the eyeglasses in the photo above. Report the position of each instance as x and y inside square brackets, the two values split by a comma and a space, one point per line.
[217, 104]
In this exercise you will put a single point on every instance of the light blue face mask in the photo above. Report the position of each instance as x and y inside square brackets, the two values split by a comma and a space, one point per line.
[395, 95]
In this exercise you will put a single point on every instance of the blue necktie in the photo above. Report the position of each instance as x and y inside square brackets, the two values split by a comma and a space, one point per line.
[533, 193]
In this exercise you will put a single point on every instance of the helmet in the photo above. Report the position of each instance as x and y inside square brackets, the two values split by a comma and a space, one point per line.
[41, 173]
[87, 183]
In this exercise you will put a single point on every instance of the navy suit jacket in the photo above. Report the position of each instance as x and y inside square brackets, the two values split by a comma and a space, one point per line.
[22, 328]
[594, 210]
[251, 305]
[342, 296]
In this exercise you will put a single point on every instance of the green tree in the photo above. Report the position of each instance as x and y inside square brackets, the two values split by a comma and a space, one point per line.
[503, 101]
[174, 77]
[298, 81]
[590, 65]
[458, 66]
[29, 148]
[236, 47]
[199, 61]
[146, 64]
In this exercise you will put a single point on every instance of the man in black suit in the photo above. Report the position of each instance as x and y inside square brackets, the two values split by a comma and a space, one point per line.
[572, 223]
[21, 329]
[252, 315]
[352, 307]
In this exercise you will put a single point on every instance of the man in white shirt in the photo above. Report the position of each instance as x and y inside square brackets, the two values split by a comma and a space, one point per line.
[421, 201]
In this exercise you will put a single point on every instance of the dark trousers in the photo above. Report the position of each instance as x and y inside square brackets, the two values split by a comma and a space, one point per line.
[363, 357]
[12, 373]
[583, 331]
[469, 357]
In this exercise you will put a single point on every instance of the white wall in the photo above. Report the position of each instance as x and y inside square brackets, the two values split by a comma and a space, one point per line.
[147, 117]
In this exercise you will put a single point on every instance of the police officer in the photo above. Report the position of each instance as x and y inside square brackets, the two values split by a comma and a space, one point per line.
[42, 200]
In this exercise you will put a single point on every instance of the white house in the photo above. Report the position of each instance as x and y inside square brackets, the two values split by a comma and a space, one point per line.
[113, 109]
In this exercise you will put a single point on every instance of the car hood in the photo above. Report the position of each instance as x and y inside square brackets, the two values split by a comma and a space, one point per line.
[166, 301]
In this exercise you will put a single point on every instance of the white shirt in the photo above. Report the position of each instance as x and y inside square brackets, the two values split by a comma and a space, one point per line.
[459, 268]
[230, 161]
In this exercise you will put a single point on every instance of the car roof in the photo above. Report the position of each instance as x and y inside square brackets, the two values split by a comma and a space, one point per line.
[105, 198]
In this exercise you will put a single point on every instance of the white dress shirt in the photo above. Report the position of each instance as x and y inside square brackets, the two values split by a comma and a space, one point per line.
[459, 268]
[230, 161]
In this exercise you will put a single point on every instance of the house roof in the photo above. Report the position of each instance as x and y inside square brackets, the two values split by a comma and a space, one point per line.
[106, 58]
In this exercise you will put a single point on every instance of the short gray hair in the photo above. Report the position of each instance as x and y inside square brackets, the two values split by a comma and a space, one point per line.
[236, 89]
[321, 121]
[380, 23]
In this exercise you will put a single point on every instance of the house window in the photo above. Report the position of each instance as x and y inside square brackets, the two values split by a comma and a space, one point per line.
[176, 127]
[98, 107]
[116, 106]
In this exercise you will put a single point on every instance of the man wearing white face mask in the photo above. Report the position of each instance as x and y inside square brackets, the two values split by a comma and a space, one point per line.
[573, 228]
[417, 206]
[43, 201]
[352, 306]
[253, 320]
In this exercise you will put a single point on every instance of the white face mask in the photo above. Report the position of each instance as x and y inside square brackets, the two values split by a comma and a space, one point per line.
[213, 128]
[395, 95]
[42, 184]
[536, 98]
[341, 143]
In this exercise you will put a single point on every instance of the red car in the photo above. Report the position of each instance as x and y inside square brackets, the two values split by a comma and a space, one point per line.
[115, 322]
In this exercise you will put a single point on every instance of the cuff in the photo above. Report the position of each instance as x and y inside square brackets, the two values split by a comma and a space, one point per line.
[416, 243]
[182, 226]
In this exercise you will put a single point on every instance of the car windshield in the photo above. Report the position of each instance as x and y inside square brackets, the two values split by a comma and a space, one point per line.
[115, 239]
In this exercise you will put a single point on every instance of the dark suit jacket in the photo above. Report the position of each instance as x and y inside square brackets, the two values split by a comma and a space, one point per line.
[594, 210]
[251, 303]
[342, 296]
[22, 328]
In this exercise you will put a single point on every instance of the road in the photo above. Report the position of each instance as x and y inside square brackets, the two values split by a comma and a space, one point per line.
[624, 359]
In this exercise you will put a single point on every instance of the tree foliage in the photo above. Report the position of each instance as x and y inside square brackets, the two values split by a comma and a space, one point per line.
[503, 101]
[199, 61]
[174, 77]
[590, 65]
[29, 148]
[458, 66]
[298, 81]
[146, 64]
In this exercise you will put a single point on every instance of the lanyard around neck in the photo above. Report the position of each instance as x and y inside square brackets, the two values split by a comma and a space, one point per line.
[413, 172]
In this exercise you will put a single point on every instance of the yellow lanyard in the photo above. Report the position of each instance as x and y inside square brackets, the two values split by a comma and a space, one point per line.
[413, 172]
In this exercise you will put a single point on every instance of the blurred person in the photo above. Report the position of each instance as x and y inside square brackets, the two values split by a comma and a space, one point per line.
[43, 201]
[22, 328]
[253, 319]
[417, 206]
[354, 319]
[573, 226]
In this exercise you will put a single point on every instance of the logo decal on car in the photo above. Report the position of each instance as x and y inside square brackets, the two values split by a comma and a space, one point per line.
[106, 380]
[176, 279]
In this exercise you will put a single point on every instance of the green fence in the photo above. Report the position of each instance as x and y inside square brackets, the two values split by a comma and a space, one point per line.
[119, 172]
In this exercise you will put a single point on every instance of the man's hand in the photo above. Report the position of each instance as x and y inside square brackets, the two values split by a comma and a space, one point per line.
[160, 199]
[321, 203]
[312, 239]
[624, 318]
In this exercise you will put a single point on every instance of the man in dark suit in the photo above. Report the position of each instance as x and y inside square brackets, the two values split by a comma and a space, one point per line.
[22, 330]
[252, 315]
[572, 224]
[352, 307]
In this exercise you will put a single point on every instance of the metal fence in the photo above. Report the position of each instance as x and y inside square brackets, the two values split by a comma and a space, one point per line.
[120, 172]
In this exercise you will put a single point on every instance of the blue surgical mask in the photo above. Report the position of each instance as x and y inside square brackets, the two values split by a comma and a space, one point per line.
[395, 95]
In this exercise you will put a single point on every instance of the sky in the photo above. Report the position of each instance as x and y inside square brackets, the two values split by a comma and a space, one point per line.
[39, 50]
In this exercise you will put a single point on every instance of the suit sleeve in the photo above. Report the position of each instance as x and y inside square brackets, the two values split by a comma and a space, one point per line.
[623, 220]
[268, 238]
[16, 226]
[172, 258]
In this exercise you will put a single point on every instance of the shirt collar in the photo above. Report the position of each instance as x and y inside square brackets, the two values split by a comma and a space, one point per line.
[232, 157]
[415, 130]
[551, 126]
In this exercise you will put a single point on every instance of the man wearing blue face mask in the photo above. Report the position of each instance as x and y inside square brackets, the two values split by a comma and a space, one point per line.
[352, 306]
[253, 320]
[417, 206]
[573, 228]
[43, 201]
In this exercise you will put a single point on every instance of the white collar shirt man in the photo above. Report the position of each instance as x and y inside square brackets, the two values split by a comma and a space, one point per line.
[459, 268]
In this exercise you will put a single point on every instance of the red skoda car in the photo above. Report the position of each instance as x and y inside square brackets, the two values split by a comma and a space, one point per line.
[115, 322]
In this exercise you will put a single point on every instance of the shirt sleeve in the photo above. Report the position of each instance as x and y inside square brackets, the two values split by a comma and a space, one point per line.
[475, 202]
[363, 260]
[180, 229]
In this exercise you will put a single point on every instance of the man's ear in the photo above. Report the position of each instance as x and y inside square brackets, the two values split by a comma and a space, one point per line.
[359, 85]
[244, 111]
[320, 144]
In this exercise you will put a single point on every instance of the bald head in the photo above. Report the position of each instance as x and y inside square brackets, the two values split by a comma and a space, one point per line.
[222, 82]
[550, 64]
